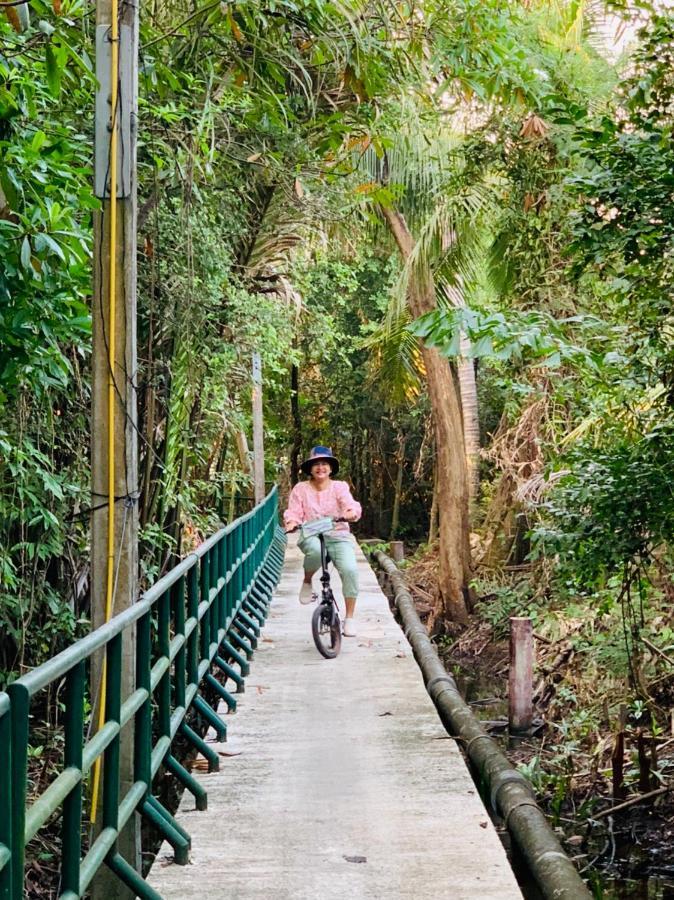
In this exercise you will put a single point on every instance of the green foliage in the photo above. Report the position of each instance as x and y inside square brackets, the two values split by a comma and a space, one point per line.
[343, 398]
[520, 338]
[615, 505]
[45, 246]
[498, 603]
[623, 229]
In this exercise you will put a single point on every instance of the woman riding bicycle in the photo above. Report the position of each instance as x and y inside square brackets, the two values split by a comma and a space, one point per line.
[320, 496]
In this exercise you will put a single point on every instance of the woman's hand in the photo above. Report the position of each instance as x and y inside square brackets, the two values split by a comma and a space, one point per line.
[291, 525]
[351, 515]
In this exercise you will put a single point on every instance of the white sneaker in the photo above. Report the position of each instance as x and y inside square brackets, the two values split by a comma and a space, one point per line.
[307, 593]
[349, 629]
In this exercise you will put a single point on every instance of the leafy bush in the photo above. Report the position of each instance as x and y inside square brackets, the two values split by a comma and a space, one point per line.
[614, 507]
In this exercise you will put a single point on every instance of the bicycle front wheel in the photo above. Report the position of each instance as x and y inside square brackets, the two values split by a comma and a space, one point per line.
[326, 631]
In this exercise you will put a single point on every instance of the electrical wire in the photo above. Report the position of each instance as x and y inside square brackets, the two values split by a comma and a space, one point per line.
[112, 351]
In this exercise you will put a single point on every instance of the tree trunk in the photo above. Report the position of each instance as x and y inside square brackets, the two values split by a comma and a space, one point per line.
[469, 405]
[433, 519]
[454, 565]
[395, 515]
[244, 453]
[469, 411]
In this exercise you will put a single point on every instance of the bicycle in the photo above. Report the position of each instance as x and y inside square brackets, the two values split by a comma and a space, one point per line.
[326, 626]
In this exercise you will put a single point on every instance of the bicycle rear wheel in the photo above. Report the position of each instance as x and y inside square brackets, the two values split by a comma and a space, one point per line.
[326, 630]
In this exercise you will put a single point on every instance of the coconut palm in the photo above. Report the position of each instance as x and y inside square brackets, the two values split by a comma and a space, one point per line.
[435, 223]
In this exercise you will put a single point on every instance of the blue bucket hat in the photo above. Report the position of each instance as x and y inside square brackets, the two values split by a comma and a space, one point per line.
[320, 453]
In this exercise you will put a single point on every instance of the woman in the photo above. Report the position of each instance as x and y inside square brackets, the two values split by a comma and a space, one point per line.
[322, 496]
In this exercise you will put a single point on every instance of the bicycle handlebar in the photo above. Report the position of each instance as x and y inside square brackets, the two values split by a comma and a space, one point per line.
[297, 527]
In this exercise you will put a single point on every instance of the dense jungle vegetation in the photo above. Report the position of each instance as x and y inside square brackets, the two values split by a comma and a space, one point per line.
[448, 229]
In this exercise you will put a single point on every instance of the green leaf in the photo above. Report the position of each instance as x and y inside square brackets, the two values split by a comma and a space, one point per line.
[482, 347]
[451, 348]
[46, 241]
[38, 141]
[552, 361]
[53, 72]
[26, 253]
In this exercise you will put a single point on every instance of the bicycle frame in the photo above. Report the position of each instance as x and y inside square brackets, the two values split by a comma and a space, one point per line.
[325, 575]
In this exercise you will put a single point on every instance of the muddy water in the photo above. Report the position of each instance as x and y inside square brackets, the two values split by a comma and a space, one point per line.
[631, 862]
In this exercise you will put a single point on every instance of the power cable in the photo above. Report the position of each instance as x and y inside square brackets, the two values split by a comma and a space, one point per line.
[112, 391]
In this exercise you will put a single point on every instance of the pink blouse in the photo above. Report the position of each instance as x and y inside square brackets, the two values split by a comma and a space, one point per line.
[306, 503]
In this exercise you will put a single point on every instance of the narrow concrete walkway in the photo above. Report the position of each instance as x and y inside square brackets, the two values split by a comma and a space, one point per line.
[338, 779]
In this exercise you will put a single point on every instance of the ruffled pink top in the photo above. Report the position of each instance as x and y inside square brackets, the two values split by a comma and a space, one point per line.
[306, 503]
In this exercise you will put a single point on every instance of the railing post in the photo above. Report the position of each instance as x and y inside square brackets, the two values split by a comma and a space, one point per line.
[20, 710]
[163, 648]
[72, 806]
[111, 758]
[222, 594]
[238, 573]
[248, 543]
[213, 556]
[205, 626]
[143, 721]
[193, 613]
[229, 574]
[5, 797]
[178, 603]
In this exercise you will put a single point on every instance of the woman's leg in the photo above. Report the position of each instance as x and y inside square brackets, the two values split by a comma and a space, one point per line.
[344, 557]
[311, 547]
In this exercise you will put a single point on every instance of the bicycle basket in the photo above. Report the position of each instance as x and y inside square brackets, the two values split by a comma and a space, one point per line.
[316, 527]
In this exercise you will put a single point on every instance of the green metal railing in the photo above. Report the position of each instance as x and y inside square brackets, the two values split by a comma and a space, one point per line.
[204, 615]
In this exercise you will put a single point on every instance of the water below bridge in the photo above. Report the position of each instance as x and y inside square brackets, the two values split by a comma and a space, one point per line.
[338, 779]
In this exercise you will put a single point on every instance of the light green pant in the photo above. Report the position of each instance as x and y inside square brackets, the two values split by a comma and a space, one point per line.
[341, 553]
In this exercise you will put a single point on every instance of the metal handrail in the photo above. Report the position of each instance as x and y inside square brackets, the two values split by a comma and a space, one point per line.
[206, 612]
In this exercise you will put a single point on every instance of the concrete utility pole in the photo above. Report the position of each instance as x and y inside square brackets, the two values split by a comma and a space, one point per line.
[258, 430]
[114, 565]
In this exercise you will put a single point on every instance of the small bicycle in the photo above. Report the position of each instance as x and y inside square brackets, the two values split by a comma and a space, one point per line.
[326, 627]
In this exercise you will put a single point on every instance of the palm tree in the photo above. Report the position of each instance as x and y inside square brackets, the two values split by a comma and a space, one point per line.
[434, 224]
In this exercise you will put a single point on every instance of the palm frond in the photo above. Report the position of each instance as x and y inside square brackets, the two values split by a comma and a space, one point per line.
[396, 364]
[451, 245]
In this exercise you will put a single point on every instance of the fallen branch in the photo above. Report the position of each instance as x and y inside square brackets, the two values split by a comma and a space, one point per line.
[543, 640]
[632, 802]
[421, 592]
[658, 651]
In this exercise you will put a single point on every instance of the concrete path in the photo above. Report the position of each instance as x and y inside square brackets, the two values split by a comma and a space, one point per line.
[344, 783]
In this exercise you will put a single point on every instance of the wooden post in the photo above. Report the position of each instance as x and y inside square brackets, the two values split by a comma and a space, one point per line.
[397, 550]
[520, 679]
[618, 766]
[258, 430]
[121, 365]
